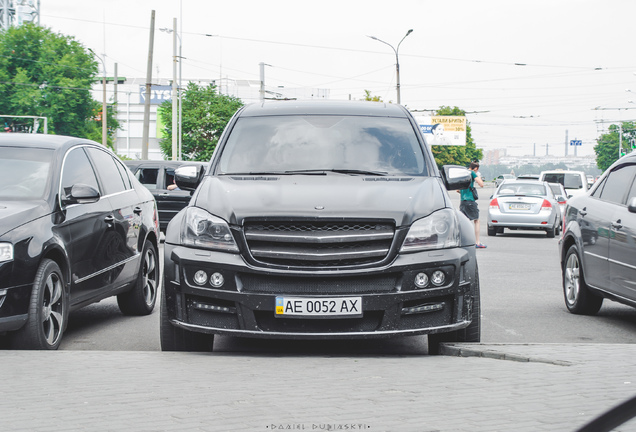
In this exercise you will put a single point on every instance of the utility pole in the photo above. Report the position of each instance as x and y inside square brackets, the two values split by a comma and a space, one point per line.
[115, 79]
[146, 132]
[175, 127]
[262, 70]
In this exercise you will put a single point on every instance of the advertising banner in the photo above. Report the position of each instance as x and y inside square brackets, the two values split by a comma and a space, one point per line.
[443, 130]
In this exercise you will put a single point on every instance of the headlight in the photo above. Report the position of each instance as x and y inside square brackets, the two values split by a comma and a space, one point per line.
[437, 231]
[202, 230]
[6, 252]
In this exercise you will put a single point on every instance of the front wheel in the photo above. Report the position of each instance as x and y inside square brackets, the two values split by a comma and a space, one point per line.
[472, 333]
[141, 299]
[578, 297]
[48, 311]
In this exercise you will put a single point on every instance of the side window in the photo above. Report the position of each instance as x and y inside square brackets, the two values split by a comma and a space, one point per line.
[108, 171]
[124, 174]
[615, 188]
[148, 177]
[77, 169]
[599, 189]
[632, 191]
[169, 177]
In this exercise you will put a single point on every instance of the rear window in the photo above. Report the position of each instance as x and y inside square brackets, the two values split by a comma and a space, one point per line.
[522, 189]
[568, 180]
[294, 143]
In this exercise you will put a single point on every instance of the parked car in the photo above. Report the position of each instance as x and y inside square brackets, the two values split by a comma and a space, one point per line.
[500, 178]
[320, 220]
[524, 204]
[598, 246]
[158, 177]
[561, 196]
[75, 228]
[574, 182]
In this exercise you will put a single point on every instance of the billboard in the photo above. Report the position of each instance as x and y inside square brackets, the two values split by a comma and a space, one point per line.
[443, 130]
[158, 94]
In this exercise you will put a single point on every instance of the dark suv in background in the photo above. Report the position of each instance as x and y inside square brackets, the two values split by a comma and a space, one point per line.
[158, 176]
[320, 220]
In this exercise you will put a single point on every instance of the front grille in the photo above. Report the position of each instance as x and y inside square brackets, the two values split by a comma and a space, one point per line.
[318, 285]
[319, 244]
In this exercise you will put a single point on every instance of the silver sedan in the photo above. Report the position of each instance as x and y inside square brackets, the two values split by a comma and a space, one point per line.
[524, 204]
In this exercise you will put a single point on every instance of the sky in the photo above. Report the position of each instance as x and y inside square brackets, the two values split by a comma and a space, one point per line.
[527, 73]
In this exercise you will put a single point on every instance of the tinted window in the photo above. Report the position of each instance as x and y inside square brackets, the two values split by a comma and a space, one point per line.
[108, 172]
[124, 174]
[77, 169]
[618, 181]
[25, 172]
[148, 177]
[290, 143]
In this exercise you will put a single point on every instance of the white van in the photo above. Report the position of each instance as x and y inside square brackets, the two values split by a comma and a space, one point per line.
[574, 182]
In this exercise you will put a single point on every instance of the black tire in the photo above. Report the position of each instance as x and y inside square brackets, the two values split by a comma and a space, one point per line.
[472, 333]
[578, 297]
[141, 299]
[48, 311]
[551, 232]
[492, 231]
[175, 338]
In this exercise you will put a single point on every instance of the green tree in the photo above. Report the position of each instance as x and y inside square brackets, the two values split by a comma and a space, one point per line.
[607, 145]
[47, 74]
[369, 97]
[456, 155]
[205, 115]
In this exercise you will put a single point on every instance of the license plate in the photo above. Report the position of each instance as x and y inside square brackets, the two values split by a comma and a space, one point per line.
[519, 207]
[318, 307]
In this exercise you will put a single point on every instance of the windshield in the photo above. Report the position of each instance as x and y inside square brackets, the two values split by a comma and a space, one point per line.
[350, 145]
[25, 172]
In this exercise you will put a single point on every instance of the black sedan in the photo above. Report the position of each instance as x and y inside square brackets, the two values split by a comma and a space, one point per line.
[158, 177]
[75, 228]
[598, 247]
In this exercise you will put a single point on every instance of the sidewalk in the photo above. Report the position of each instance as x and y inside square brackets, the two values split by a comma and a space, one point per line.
[484, 387]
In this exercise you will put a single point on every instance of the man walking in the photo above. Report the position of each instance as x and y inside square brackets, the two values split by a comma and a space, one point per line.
[468, 204]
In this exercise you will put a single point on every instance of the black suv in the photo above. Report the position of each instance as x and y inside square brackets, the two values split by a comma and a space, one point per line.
[320, 220]
[75, 227]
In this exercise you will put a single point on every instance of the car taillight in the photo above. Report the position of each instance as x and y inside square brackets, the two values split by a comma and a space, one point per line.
[494, 204]
[546, 205]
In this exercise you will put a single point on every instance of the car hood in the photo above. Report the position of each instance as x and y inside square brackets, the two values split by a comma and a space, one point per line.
[16, 213]
[402, 199]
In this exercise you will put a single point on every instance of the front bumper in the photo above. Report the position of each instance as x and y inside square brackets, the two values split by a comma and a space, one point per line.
[391, 304]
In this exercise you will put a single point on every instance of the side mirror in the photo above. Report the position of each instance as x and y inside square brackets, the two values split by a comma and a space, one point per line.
[188, 177]
[631, 205]
[81, 194]
[560, 198]
[456, 177]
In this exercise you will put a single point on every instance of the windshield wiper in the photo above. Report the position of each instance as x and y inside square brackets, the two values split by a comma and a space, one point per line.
[363, 172]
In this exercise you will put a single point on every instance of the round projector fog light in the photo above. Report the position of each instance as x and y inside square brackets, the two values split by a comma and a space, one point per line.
[421, 280]
[438, 278]
[200, 277]
[217, 280]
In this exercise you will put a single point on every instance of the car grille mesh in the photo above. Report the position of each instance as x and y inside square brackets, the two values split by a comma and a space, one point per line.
[319, 244]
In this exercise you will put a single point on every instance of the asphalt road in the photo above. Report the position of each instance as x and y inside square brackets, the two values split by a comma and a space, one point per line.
[522, 302]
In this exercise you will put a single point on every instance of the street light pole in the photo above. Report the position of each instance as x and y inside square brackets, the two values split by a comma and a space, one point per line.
[104, 110]
[176, 92]
[397, 61]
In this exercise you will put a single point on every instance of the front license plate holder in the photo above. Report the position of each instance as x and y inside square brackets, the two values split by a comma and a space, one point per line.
[318, 307]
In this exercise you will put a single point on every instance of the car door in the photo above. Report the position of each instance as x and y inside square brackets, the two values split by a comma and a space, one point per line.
[622, 247]
[118, 247]
[83, 226]
[593, 218]
[170, 199]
